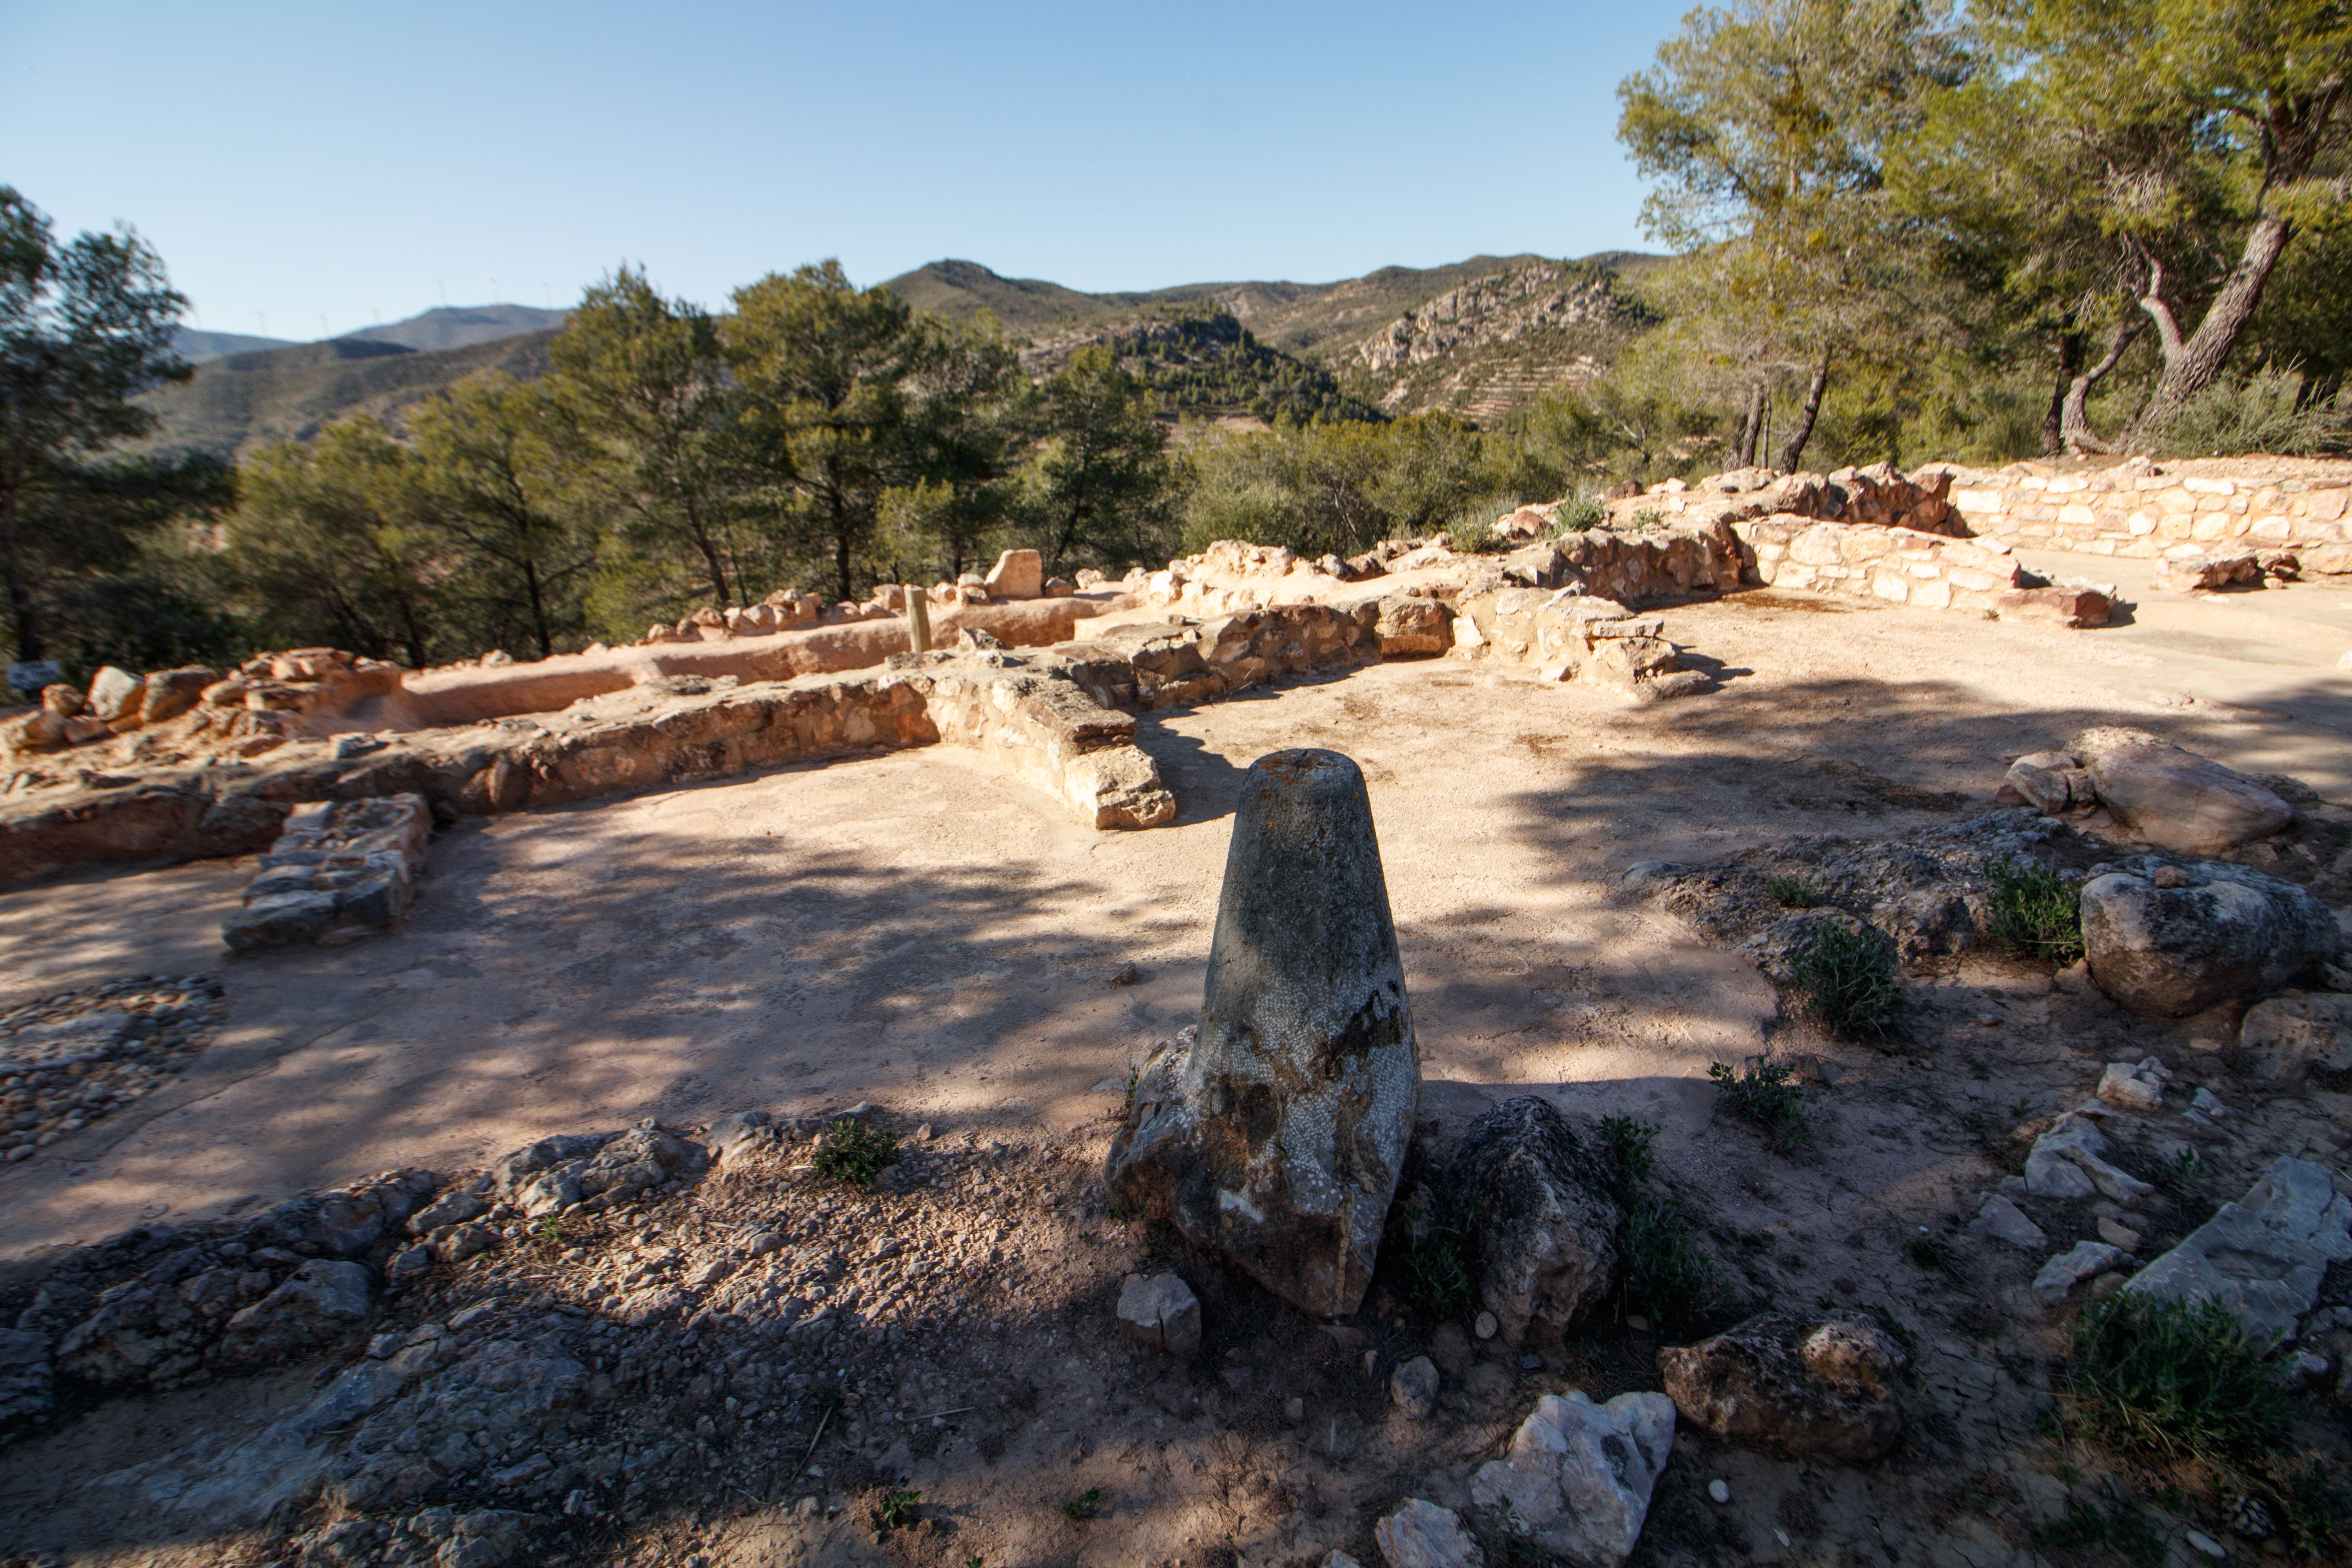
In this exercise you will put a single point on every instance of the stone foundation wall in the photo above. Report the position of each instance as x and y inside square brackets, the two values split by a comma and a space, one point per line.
[1902, 566]
[2148, 509]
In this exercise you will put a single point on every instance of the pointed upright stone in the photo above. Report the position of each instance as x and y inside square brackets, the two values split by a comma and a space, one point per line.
[1276, 1131]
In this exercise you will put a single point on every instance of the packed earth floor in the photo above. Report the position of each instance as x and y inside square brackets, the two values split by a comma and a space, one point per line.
[748, 1361]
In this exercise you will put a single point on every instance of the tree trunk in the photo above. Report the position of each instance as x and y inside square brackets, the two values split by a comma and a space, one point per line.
[1805, 417]
[1751, 427]
[2054, 420]
[538, 607]
[2192, 365]
[2075, 432]
[20, 601]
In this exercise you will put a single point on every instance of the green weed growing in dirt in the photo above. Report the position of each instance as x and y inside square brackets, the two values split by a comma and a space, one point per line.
[1848, 978]
[1581, 514]
[1625, 1144]
[897, 1510]
[2035, 912]
[549, 1233]
[2177, 1170]
[2173, 1379]
[1083, 1507]
[852, 1151]
[1793, 891]
[1437, 1281]
[1763, 1095]
[1667, 1278]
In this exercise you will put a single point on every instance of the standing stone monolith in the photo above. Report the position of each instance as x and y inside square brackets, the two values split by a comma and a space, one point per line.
[919, 620]
[1276, 1133]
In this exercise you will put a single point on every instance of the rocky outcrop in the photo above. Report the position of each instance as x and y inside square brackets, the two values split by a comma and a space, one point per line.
[2263, 1257]
[1276, 1135]
[2173, 798]
[1797, 1384]
[2168, 938]
[1534, 1207]
[1577, 1476]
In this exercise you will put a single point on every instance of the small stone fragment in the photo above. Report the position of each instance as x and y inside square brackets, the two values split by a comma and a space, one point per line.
[1159, 1313]
[2059, 1277]
[1412, 1387]
[1720, 1490]
[1423, 1535]
[2001, 1220]
[1485, 1326]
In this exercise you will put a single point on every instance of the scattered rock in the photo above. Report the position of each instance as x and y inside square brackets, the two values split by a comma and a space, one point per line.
[2068, 1161]
[2053, 783]
[339, 870]
[2135, 1086]
[2173, 798]
[1578, 1476]
[1540, 1222]
[2167, 939]
[1487, 1326]
[2001, 1220]
[2289, 1036]
[1277, 1134]
[1423, 1535]
[1412, 1387]
[1794, 1383]
[2079, 1262]
[2262, 1256]
[1159, 1313]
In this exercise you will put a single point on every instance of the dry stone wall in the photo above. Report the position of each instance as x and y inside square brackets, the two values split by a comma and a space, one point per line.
[1905, 567]
[2145, 509]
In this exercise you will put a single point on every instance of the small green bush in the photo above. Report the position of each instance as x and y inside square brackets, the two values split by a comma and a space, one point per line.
[1625, 1145]
[1793, 891]
[1084, 1505]
[897, 1510]
[854, 1153]
[2173, 1379]
[2035, 912]
[1848, 978]
[1764, 1095]
[1437, 1281]
[1667, 1278]
[1581, 514]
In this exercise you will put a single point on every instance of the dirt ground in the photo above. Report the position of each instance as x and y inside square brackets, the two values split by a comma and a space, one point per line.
[908, 930]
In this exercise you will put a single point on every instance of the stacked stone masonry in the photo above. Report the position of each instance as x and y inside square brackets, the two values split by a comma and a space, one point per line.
[2160, 509]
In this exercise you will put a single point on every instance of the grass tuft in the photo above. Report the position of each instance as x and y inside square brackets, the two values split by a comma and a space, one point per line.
[852, 1151]
[1667, 1278]
[1762, 1094]
[1848, 978]
[2173, 1379]
[1793, 891]
[1625, 1146]
[2035, 912]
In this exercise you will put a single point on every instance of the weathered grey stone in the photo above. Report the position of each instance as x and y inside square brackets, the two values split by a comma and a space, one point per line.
[2289, 1035]
[318, 1302]
[279, 921]
[1535, 1207]
[2001, 1220]
[1423, 1535]
[2168, 938]
[27, 1378]
[1798, 1384]
[1577, 1476]
[2173, 798]
[2069, 1161]
[2263, 1257]
[1161, 1313]
[115, 693]
[1412, 1387]
[2071, 1268]
[1277, 1134]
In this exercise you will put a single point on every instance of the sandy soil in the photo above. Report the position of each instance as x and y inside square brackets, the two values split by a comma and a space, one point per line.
[908, 930]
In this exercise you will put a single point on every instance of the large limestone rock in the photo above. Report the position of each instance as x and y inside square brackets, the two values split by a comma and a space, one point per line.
[1276, 1135]
[2173, 798]
[1017, 575]
[1535, 1207]
[2167, 939]
[1799, 1384]
[2287, 1037]
[2263, 1257]
[1577, 1476]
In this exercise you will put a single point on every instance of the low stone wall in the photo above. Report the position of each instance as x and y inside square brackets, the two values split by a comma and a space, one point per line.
[2145, 510]
[1901, 566]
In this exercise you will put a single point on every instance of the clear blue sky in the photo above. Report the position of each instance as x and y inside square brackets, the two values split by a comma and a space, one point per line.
[354, 162]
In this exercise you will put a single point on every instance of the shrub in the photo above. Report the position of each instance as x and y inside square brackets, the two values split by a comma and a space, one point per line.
[1667, 1277]
[1793, 891]
[1577, 514]
[1762, 1094]
[1084, 1505]
[854, 1153]
[897, 1510]
[1437, 1281]
[2035, 911]
[1848, 977]
[2268, 410]
[2173, 1379]
[1625, 1145]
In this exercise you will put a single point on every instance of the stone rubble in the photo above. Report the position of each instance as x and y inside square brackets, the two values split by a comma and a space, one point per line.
[70, 1059]
[339, 870]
